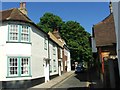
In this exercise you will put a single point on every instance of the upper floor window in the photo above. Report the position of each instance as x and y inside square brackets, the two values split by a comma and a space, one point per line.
[45, 43]
[13, 32]
[54, 52]
[19, 33]
[25, 33]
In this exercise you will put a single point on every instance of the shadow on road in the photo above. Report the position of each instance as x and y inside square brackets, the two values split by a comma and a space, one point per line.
[90, 76]
[82, 76]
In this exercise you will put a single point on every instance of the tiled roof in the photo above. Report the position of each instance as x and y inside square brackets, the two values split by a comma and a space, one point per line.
[54, 38]
[104, 32]
[13, 14]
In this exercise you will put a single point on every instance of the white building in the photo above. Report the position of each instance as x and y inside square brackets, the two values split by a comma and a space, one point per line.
[28, 55]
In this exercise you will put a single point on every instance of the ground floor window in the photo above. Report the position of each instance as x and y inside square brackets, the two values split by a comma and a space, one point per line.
[54, 65]
[18, 66]
[50, 67]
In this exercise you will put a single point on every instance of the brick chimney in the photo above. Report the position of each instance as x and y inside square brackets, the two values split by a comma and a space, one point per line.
[56, 33]
[23, 8]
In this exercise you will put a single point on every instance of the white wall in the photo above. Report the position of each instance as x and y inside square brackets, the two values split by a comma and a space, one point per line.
[3, 60]
[38, 53]
[53, 57]
[10, 49]
[116, 14]
[94, 49]
[69, 62]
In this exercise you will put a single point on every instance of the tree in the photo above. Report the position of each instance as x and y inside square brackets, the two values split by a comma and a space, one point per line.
[72, 32]
[78, 41]
[49, 21]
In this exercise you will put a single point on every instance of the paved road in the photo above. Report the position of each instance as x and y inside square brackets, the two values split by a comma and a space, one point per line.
[75, 81]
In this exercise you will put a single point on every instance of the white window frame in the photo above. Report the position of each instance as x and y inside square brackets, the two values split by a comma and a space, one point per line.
[13, 29]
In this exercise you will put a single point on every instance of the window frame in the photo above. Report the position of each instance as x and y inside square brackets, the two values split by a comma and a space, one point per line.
[9, 29]
[19, 33]
[54, 66]
[45, 42]
[19, 74]
[54, 49]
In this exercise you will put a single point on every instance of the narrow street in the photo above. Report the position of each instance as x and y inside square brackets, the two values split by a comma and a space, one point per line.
[85, 80]
[75, 81]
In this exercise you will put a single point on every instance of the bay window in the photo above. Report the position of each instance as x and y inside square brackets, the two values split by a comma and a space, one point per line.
[18, 33]
[18, 66]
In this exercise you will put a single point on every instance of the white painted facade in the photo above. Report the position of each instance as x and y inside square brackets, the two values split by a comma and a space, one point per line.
[9, 49]
[94, 49]
[53, 58]
[35, 50]
[38, 53]
[68, 61]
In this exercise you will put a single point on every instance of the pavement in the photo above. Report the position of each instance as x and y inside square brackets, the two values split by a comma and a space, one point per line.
[93, 81]
[54, 81]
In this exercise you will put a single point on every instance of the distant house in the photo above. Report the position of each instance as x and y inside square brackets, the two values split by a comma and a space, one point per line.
[28, 55]
[66, 62]
[55, 52]
[104, 48]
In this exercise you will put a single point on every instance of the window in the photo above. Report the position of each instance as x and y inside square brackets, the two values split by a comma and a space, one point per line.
[18, 66]
[45, 43]
[19, 33]
[24, 66]
[54, 65]
[13, 66]
[13, 32]
[25, 33]
[54, 49]
[50, 67]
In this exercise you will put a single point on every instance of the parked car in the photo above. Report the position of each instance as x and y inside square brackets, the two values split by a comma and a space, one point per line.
[79, 68]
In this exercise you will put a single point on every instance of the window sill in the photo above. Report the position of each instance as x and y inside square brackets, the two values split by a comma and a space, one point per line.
[18, 76]
[18, 42]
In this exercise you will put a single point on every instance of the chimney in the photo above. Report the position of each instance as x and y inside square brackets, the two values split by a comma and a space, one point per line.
[110, 6]
[56, 33]
[23, 8]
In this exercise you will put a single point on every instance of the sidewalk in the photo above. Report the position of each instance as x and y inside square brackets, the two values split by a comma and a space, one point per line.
[54, 81]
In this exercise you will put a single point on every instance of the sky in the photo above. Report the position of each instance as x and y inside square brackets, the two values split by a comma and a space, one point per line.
[86, 13]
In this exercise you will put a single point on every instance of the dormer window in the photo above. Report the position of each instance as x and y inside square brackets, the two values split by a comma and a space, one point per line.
[18, 33]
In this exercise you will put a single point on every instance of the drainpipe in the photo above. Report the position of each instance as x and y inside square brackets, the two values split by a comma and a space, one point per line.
[49, 59]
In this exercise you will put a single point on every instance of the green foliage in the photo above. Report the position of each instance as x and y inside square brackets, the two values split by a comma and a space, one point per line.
[72, 32]
[49, 21]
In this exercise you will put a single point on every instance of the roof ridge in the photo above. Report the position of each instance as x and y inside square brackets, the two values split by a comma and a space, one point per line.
[25, 15]
[103, 19]
[12, 12]
[6, 9]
